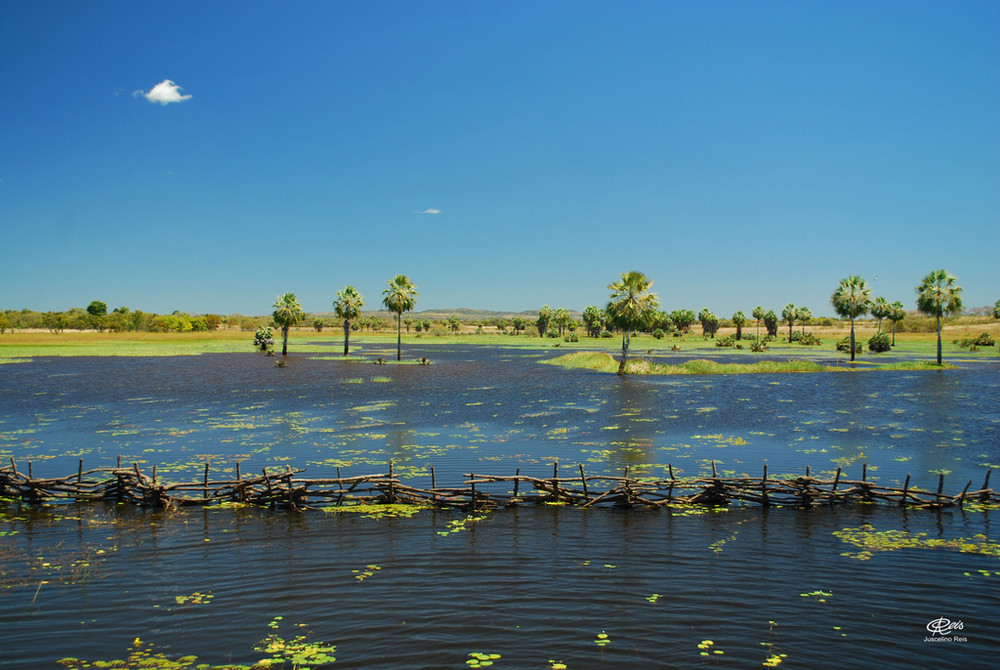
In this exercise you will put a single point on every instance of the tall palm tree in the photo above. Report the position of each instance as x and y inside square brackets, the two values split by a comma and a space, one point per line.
[758, 314]
[938, 295]
[790, 314]
[631, 307]
[348, 306]
[287, 313]
[399, 296]
[851, 299]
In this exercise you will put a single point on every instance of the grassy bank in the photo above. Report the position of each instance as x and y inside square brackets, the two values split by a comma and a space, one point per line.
[605, 362]
[26, 345]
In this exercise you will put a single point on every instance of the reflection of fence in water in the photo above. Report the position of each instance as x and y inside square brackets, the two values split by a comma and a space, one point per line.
[285, 489]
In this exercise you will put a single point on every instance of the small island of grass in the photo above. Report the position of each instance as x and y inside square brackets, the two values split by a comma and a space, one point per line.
[605, 362]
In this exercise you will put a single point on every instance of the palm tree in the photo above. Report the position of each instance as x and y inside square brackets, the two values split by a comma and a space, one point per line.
[881, 309]
[348, 306]
[996, 310]
[938, 295]
[803, 315]
[851, 299]
[790, 314]
[758, 314]
[630, 307]
[739, 320]
[544, 317]
[399, 296]
[896, 315]
[287, 313]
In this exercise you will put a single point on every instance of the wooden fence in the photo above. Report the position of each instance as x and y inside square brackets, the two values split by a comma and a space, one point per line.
[287, 489]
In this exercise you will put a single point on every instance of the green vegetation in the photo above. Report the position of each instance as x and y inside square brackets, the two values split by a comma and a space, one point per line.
[287, 313]
[851, 299]
[631, 307]
[348, 306]
[399, 296]
[604, 362]
[937, 296]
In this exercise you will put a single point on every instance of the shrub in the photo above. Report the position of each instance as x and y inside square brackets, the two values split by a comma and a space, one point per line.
[758, 345]
[726, 341]
[879, 342]
[606, 334]
[808, 339]
[658, 333]
[973, 343]
[572, 337]
[845, 345]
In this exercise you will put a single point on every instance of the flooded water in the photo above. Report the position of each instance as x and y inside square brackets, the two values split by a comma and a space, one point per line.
[538, 586]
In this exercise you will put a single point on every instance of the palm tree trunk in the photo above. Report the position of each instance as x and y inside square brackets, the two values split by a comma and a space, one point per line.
[852, 339]
[625, 345]
[939, 339]
[347, 335]
[399, 336]
[284, 340]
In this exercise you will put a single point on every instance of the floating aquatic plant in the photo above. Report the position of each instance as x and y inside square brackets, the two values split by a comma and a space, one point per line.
[368, 572]
[602, 639]
[196, 598]
[873, 541]
[481, 660]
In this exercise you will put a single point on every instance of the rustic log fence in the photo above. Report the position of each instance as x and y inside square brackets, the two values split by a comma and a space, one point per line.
[285, 489]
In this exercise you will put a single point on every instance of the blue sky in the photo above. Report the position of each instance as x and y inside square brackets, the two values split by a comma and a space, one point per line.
[504, 155]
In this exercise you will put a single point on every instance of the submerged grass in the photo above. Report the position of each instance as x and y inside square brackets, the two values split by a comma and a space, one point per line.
[605, 362]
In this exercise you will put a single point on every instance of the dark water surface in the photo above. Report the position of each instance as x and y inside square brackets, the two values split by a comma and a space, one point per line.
[535, 585]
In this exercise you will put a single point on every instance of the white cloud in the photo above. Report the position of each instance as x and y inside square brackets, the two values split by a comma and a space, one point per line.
[430, 211]
[164, 93]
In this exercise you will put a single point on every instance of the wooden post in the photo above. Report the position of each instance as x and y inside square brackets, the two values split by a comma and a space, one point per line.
[205, 484]
[864, 471]
[763, 488]
[267, 483]
[714, 475]
[154, 473]
[961, 498]
[434, 485]
[392, 488]
[239, 477]
[119, 461]
[517, 480]
[340, 488]
[670, 469]
[472, 479]
[79, 473]
[583, 480]
[985, 496]
[906, 487]
[30, 474]
[807, 471]
[288, 479]
[940, 484]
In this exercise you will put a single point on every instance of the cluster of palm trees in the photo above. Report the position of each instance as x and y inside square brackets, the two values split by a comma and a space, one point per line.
[938, 295]
[632, 305]
[400, 295]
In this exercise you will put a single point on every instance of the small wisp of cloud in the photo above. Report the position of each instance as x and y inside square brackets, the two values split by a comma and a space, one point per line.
[428, 211]
[164, 93]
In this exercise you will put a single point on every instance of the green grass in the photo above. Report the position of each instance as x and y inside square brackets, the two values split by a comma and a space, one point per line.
[605, 362]
[366, 346]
